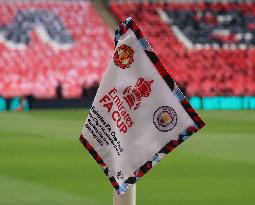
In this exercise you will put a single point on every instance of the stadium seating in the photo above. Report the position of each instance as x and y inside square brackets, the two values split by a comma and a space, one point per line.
[46, 44]
[207, 47]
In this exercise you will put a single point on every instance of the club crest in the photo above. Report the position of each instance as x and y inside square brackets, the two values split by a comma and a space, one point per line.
[165, 118]
[123, 56]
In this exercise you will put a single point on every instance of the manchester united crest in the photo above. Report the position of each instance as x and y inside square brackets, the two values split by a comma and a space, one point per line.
[123, 56]
[134, 94]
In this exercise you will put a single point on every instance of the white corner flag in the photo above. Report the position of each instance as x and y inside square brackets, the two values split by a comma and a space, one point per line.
[138, 115]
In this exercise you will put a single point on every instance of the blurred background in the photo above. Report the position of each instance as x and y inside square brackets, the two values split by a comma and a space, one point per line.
[53, 54]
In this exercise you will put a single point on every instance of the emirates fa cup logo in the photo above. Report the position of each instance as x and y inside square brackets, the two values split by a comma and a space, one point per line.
[123, 56]
[134, 95]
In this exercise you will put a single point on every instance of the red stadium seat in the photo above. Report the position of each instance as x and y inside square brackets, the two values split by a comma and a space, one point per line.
[51, 43]
[208, 71]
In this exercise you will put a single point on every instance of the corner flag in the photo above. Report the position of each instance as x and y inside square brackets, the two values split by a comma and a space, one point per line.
[138, 115]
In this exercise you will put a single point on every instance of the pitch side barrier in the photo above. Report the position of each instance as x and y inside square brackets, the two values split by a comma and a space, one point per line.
[14, 104]
[223, 103]
[200, 103]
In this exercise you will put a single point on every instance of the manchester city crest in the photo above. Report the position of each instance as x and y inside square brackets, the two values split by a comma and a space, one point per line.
[123, 56]
[165, 118]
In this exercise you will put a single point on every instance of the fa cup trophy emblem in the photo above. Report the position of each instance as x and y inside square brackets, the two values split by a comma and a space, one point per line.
[134, 95]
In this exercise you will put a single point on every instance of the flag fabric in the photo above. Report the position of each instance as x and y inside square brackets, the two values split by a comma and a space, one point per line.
[138, 115]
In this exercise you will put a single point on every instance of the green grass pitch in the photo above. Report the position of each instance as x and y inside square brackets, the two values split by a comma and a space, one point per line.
[43, 163]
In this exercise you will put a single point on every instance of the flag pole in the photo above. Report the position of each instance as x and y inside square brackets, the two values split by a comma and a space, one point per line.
[128, 198]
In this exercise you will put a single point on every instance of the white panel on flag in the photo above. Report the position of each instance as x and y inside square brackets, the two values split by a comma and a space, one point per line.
[138, 115]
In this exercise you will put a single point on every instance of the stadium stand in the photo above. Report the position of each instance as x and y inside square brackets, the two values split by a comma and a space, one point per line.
[207, 47]
[45, 45]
